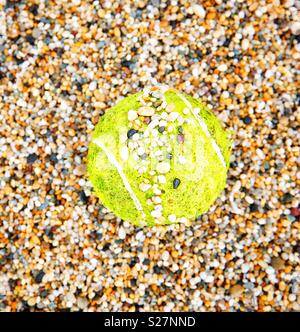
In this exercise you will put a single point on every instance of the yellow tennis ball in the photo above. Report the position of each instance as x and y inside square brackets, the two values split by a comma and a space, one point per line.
[158, 157]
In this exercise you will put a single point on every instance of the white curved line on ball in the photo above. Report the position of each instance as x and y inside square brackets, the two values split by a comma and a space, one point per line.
[204, 128]
[115, 163]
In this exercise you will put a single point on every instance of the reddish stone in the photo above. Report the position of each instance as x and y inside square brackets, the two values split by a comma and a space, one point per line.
[295, 212]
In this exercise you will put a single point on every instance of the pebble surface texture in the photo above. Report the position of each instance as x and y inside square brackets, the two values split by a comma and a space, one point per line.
[62, 64]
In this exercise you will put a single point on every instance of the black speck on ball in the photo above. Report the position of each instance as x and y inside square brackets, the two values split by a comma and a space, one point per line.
[131, 132]
[247, 120]
[31, 158]
[169, 155]
[176, 183]
[180, 130]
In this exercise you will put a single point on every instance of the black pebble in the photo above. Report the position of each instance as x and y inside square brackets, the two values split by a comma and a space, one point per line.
[34, 9]
[131, 132]
[30, 39]
[132, 263]
[296, 248]
[146, 261]
[247, 120]
[133, 282]
[173, 23]
[176, 183]
[44, 293]
[253, 207]
[83, 196]
[169, 155]
[286, 198]
[126, 63]
[213, 91]
[39, 277]
[161, 129]
[226, 42]
[106, 246]
[32, 158]
[199, 54]
[53, 158]
[156, 269]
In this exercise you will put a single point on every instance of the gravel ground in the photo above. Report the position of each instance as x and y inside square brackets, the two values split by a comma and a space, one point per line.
[62, 64]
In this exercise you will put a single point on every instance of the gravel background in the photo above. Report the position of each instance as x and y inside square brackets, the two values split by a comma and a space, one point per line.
[62, 64]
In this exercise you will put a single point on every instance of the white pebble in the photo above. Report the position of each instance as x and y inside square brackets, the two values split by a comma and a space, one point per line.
[245, 44]
[122, 233]
[172, 116]
[163, 167]
[222, 67]
[132, 115]
[165, 255]
[239, 89]
[172, 217]
[156, 213]
[161, 179]
[144, 186]
[182, 160]
[156, 199]
[93, 86]
[124, 153]
[199, 10]
[295, 27]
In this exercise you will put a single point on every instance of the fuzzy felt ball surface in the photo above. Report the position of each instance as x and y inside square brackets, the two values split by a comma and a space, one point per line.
[158, 157]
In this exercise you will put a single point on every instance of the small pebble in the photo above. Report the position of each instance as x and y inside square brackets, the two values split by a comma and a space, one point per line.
[163, 167]
[131, 132]
[176, 183]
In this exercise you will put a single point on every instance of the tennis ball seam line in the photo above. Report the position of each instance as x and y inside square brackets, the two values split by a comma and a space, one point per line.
[204, 127]
[126, 183]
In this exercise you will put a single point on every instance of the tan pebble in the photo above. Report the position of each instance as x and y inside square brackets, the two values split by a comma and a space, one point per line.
[146, 111]
[161, 219]
[82, 302]
[31, 302]
[277, 263]
[80, 170]
[236, 290]
[117, 32]
[170, 107]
